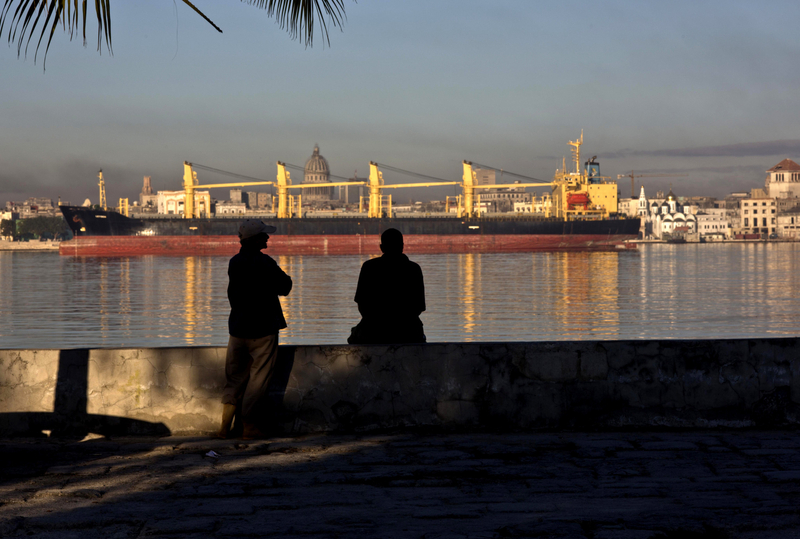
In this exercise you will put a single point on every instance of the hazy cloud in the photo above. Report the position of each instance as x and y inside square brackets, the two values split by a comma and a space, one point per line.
[748, 149]
[750, 170]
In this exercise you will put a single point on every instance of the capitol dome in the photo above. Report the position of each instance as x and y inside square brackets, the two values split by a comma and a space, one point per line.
[317, 171]
[316, 164]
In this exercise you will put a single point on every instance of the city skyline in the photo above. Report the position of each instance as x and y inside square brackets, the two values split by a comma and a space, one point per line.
[697, 89]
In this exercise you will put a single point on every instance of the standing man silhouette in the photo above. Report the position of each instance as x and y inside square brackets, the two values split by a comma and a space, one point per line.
[256, 316]
[390, 296]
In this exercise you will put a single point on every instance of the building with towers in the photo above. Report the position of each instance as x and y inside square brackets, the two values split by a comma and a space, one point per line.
[665, 217]
[783, 180]
[147, 199]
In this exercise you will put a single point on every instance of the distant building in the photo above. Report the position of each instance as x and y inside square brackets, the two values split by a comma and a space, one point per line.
[503, 199]
[714, 224]
[33, 207]
[543, 204]
[628, 206]
[172, 203]
[758, 214]
[148, 200]
[351, 194]
[231, 208]
[783, 180]
[666, 217]
[523, 207]
[265, 201]
[788, 224]
[251, 200]
[484, 177]
[316, 171]
[236, 195]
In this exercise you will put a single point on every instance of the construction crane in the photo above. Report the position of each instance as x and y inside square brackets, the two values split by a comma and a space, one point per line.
[633, 177]
[102, 186]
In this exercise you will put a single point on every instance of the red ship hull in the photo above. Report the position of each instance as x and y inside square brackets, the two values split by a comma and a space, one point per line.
[339, 244]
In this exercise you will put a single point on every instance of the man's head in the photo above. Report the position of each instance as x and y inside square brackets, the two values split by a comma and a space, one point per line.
[253, 233]
[392, 241]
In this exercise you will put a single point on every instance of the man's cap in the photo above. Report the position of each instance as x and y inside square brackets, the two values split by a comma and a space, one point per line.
[251, 227]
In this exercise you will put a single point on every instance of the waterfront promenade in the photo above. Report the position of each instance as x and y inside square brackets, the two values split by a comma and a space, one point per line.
[454, 440]
[601, 485]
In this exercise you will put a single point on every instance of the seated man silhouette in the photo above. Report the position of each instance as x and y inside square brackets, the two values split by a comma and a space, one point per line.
[390, 296]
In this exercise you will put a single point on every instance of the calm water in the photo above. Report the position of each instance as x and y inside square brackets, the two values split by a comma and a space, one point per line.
[662, 291]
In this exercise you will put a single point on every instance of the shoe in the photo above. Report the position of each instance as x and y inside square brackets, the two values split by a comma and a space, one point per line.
[228, 410]
[252, 432]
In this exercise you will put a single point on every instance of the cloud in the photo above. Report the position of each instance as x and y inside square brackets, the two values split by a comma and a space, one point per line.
[774, 147]
[739, 170]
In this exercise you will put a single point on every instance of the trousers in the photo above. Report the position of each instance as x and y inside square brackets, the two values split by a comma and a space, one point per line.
[249, 365]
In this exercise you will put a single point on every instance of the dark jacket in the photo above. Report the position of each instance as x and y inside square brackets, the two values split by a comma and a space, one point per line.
[390, 296]
[255, 282]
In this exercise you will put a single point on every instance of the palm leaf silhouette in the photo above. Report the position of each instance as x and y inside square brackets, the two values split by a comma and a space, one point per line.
[27, 20]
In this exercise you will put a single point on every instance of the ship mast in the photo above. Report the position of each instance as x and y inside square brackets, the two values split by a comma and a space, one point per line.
[576, 152]
[102, 186]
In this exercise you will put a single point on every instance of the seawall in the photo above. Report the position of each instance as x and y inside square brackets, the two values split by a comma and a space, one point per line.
[581, 385]
[34, 245]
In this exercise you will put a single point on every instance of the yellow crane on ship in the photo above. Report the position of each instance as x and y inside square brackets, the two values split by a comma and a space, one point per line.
[102, 186]
[123, 207]
[286, 202]
[595, 196]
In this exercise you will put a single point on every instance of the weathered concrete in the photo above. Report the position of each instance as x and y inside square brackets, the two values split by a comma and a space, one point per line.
[28, 246]
[588, 384]
[701, 484]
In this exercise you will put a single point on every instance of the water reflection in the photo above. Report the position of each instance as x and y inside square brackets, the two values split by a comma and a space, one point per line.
[190, 297]
[470, 278]
[663, 291]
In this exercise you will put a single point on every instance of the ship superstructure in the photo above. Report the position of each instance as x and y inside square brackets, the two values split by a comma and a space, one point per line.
[583, 194]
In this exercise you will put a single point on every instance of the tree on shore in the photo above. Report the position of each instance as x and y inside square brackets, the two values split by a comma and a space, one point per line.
[43, 226]
[8, 228]
[27, 21]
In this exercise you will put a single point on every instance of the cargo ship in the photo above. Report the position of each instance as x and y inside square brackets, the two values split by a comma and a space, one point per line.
[582, 216]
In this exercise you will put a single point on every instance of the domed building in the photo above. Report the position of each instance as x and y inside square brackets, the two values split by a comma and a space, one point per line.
[316, 171]
[666, 217]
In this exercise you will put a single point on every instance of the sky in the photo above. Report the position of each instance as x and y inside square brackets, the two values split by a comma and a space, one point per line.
[707, 89]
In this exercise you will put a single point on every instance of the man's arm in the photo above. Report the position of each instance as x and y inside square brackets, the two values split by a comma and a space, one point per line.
[364, 292]
[419, 291]
[282, 281]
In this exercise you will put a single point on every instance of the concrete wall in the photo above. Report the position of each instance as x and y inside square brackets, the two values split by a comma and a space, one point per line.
[489, 385]
[33, 245]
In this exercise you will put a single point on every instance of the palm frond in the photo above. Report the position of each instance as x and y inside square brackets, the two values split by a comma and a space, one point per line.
[23, 20]
[298, 16]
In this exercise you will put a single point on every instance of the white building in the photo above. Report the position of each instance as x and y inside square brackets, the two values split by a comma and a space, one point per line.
[230, 208]
[783, 180]
[713, 224]
[172, 202]
[628, 206]
[523, 207]
[788, 224]
[666, 217]
[758, 214]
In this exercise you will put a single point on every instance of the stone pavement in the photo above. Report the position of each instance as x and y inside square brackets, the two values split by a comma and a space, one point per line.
[623, 485]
